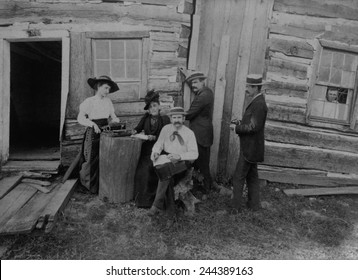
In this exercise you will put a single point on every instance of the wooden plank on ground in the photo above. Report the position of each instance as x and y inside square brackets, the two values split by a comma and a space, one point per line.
[32, 165]
[13, 201]
[37, 182]
[58, 202]
[322, 191]
[219, 101]
[8, 183]
[305, 177]
[39, 188]
[25, 220]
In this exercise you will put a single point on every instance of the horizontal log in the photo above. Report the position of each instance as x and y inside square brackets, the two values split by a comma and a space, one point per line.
[286, 113]
[160, 60]
[164, 85]
[346, 9]
[291, 48]
[295, 156]
[163, 72]
[307, 136]
[286, 89]
[150, 2]
[287, 68]
[165, 46]
[299, 32]
[164, 36]
[11, 12]
[185, 31]
[305, 177]
[286, 100]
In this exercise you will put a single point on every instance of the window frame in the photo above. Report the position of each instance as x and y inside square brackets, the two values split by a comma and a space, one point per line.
[320, 44]
[126, 35]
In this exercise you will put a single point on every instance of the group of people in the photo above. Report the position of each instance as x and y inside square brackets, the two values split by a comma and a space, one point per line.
[172, 148]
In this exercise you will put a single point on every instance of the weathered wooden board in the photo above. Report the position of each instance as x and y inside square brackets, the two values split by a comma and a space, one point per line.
[219, 101]
[35, 181]
[166, 60]
[165, 46]
[301, 135]
[36, 12]
[286, 89]
[32, 165]
[286, 113]
[13, 201]
[80, 71]
[291, 48]
[299, 32]
[287, 68]
[150, 2]
[296, 156]
[24, 221]
[304, 177]
[163, 85]
[62, 194]
[8, 183]
[346, 9]
[322, 191]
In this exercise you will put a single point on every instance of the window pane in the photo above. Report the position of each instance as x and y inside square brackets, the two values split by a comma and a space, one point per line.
[317, 108]
[326, 59]
[348, 79]
[103, 68]
[102, 49]
[117, 49]
[338, 60]
[133, 69]
[118, 69]
[329, 110]
[342, 112]
[349, 60]
[133, 49]
[336, 76]
[324, 73]
[319, 92]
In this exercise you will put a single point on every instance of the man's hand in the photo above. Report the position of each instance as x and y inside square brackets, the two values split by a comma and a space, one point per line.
[96, 128]
[155, 156]
[152, 137]
[174, 158]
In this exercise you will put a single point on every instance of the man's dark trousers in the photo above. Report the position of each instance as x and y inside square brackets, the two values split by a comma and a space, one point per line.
[202, 163]
[246, 171]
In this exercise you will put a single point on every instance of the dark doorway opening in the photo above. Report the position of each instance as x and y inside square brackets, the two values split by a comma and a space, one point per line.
[35, 100]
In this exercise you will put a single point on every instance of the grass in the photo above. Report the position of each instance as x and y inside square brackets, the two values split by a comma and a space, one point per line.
[287, 228]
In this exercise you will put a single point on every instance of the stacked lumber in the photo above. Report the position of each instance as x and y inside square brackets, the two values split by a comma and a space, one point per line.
[28, 203]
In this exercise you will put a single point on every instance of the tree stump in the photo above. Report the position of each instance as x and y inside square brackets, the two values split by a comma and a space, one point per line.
[118, 159]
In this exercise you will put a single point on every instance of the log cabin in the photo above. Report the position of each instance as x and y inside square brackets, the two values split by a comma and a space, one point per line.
[307, 51]
[48, 50]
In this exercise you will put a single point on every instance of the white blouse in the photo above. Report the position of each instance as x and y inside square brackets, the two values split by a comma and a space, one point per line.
[96, 107]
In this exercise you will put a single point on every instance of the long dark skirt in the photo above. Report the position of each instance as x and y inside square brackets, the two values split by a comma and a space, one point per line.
[89, 162]
[145, 182]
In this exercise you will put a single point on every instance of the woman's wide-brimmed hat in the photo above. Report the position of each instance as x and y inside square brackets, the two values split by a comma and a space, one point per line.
[151, 96]
[254, 80]
[195, 75]
[93, 81]
[176, 111]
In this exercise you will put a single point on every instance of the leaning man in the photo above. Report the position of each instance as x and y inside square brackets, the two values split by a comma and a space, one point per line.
[200, 117]
[252, 142]
[172, 155]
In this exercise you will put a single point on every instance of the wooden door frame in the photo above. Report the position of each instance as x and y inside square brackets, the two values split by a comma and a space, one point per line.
[6, 37]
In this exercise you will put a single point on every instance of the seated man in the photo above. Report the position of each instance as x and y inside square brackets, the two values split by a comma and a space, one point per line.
[172, 155]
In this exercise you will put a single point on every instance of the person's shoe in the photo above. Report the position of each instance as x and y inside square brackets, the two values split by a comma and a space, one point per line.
[153, 211]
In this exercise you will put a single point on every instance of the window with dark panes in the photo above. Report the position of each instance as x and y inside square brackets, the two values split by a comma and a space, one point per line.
[333, 92]
[121, 59]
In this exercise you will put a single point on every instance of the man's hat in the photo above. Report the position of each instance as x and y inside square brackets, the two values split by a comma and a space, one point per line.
[254, 80]
[93, 81]
[195, 75]
[176, 111]
[150, 97]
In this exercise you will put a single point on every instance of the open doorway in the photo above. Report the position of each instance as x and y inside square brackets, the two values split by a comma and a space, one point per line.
[35, 100]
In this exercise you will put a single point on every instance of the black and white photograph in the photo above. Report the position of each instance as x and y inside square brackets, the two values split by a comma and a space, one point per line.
[191, 130]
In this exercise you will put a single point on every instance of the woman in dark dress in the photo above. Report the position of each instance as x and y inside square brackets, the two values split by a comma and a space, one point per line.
[151, 124]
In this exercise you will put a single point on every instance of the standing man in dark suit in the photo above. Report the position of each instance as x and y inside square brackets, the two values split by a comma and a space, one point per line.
[200, 117]
[252, 145]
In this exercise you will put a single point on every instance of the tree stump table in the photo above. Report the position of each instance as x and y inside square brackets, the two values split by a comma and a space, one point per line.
[118, 159]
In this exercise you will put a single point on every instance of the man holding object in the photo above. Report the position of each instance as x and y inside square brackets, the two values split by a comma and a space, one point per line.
[252, 145]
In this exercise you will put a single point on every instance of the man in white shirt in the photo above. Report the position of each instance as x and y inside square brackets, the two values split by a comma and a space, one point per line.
[172, 154]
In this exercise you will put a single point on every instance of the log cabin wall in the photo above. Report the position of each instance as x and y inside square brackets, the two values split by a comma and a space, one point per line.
[312, 49]
[161, 28]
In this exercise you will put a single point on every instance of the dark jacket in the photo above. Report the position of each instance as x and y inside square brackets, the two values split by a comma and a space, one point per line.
[200, 117]
[145, 124]
[251, 130]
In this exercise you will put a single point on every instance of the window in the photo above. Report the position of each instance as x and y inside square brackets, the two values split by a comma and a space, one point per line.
[333, 92]
[123, 57]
